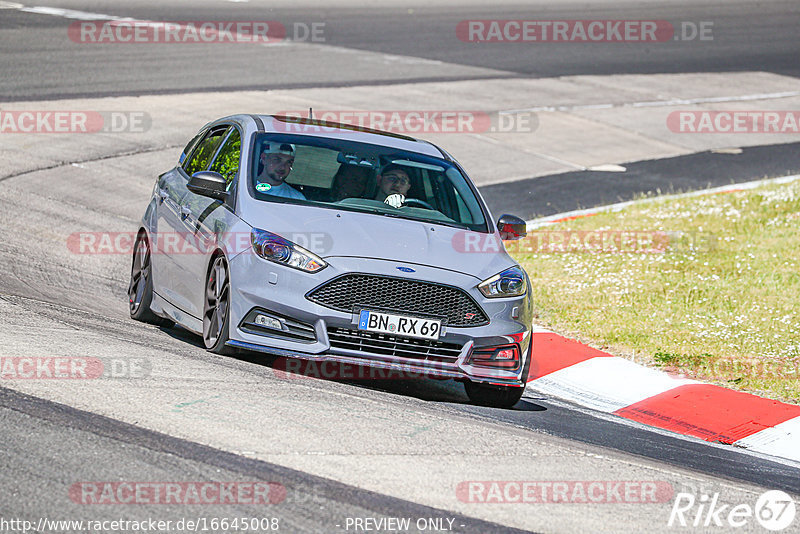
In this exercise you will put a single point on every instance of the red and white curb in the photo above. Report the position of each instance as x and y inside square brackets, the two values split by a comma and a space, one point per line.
[569, 370]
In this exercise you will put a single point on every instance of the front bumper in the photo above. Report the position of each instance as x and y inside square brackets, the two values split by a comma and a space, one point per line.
[280, 291]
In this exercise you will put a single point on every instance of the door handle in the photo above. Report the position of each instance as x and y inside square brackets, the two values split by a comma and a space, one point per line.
[186, 212]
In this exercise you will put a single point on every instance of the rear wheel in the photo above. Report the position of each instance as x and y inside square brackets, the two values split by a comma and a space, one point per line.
[494, 396]
[216, 310]
[140, 289]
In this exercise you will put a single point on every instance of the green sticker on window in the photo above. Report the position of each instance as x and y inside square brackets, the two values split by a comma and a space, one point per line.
[263, 187]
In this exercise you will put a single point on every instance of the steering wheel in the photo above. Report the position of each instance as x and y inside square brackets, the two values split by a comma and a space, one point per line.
[417, 203]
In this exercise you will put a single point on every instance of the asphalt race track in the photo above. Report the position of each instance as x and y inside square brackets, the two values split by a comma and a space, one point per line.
[348, 455]
[749, 36]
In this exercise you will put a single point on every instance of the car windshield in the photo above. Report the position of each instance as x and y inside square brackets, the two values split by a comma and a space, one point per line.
[349, 175]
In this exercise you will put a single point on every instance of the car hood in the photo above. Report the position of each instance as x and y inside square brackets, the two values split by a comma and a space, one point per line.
[330, 233]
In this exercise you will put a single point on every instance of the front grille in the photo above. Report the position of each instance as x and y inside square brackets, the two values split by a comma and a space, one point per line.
[389, 345]
[356, 291]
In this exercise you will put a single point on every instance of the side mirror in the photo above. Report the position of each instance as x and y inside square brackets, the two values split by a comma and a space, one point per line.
[511, 228]
[209, 184]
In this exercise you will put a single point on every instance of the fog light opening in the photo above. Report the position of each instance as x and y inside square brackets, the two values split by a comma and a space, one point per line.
[498, 357]
[504, 354]
[268, 322]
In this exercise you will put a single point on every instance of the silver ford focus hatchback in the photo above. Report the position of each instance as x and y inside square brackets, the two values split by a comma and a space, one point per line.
[333, 243]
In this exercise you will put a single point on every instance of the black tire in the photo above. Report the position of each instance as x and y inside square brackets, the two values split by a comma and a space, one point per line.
[216, 307]
[140, 288]
[493, 396]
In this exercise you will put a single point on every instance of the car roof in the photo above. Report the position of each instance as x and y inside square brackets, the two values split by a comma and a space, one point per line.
[317, 128]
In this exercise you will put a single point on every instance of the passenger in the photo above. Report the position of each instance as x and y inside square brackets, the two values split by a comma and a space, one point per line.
[393, 185]
[350, 181]
[277, 159]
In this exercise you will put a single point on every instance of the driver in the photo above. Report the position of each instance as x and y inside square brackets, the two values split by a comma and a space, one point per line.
[393, 185]
[277, 159]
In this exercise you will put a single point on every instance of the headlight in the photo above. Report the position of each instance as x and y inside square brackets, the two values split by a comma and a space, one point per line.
[273, 247]
[509, 283]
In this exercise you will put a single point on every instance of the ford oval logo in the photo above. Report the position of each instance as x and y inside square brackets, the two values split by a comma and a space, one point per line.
[406, 269]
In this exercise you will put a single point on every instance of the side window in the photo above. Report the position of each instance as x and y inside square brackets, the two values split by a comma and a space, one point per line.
[204, 151]
[190, 146]
[227, 161]
[426, 182]
[463, 213]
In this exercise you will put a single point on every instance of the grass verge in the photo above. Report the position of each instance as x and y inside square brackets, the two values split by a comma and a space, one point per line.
[706, 287]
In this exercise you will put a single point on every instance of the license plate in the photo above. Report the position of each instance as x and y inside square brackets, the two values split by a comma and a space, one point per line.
[400, 325]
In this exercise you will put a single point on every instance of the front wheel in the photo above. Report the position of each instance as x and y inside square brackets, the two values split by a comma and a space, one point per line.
[216, 308]
[493, 396]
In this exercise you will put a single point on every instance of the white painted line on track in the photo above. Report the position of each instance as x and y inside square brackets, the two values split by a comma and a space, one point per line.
[70, 13]
[554, 159]
[608, 167]
[715, 99]
[551, 219]
[387, 59]
[86, 15]
[660, 103]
